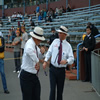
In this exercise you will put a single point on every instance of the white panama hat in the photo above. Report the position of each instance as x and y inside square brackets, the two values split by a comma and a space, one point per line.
[63, 29]
[38, 33]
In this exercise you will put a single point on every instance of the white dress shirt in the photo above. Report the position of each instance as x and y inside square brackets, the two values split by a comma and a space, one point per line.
[89, 35]
[67, 53]
[30, 58]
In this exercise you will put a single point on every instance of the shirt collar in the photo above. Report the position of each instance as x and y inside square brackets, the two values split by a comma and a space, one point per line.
[33, 41]
[63, 40]
[89, 35]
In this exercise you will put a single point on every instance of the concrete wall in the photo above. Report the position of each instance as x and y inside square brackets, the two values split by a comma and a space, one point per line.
[74, 4]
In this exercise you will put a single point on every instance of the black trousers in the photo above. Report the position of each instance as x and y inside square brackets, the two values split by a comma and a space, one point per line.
[87, 66]
[22, 51]
[17, 61]
[30, 86]
[57, 79]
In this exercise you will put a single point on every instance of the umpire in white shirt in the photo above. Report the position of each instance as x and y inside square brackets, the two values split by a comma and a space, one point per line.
[61, 54]
[30, 84]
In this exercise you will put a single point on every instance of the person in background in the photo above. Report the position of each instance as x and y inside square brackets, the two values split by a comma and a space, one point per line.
[14, 16]
[53, 36]
[63, 9]
[17, 45]
[42, 56]
[57, 11]
[23, 24]
[13, 34]
[68, 9]
[94, 30]
[37, 10]
[1, 23]
[88, 46]
[32, 24]
[3, 77]
[24, 39]
[44, 14]
[9, 20]
[39, 16]
[61, 54]
[10, 36]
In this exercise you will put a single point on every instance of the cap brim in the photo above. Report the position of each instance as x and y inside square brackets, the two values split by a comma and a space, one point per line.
[37, 37]
[62, 32]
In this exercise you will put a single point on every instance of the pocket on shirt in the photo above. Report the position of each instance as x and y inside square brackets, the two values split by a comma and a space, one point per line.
[64, 55]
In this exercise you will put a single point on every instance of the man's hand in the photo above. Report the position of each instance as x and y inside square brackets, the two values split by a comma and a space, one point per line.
[13, 44]
[83, 48]
[37, 66]
[44, 65]
[86, 49]
[21, 38]
[41, 60]
[42, 50]
[63, 62]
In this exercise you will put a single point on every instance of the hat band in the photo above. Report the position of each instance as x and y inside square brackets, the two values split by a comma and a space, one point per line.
[62, 29]
[38, 34]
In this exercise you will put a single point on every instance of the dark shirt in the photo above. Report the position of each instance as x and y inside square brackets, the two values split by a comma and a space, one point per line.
[69, 9]
[94, 31]
[52, 37]
[3, 44]
[89, 42]
[32, 24]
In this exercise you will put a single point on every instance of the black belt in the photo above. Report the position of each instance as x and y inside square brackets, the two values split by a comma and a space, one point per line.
[52, 66]
[27, 72]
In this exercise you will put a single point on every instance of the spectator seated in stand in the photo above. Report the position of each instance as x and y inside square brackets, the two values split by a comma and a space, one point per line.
[40, 16]
[14, 16]
[23, 23]
[37, 10]
[29, 18]
[1, 23]
[32, 24]
[13, 34]
[94, 30]
[69, 9]
[63, 9]
[44, 14]
[60, 11]
[19, 15]
[9, 20]
[56, 11]
[10, 36]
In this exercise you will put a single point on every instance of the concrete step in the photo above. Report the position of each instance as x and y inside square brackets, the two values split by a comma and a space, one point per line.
[9, 49]
[74, 71]
[71, 74]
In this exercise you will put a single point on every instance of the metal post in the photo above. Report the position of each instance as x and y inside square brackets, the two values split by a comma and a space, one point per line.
[89, 4]
[78, 60]
[66, 3]
[47, 4]
[24, 7]
[2, 8]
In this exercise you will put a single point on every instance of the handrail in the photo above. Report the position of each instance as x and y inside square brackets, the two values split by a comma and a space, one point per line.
[78, 56]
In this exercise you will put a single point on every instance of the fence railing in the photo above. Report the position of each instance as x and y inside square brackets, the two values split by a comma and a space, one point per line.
[95, 69]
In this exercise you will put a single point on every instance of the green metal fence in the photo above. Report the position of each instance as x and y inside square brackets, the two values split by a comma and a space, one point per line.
[95, 62]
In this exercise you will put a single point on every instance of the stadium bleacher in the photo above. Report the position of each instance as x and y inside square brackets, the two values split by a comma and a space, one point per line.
[75, 21]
